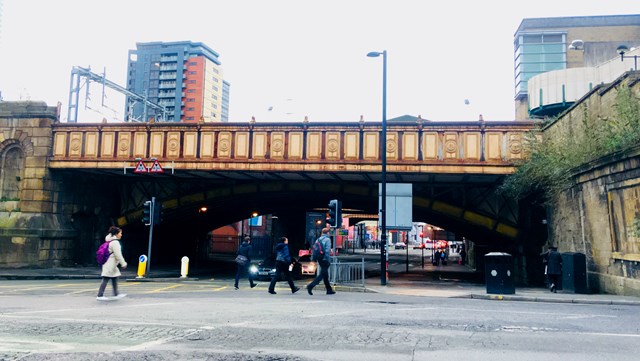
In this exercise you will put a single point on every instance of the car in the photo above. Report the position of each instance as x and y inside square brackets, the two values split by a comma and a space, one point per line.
[400, 245]
[266, 269]
[308, 267]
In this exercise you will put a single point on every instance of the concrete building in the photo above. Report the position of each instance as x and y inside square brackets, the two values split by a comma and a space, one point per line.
[185, 77]
[550, 44]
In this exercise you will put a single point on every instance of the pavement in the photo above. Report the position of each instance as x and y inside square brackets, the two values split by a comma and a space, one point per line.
[450, 281]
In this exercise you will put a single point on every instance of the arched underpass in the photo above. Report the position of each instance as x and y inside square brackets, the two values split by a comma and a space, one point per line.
[468, 206]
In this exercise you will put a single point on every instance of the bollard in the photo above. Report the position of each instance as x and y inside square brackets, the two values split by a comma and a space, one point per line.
[142, 266]
[184, 270]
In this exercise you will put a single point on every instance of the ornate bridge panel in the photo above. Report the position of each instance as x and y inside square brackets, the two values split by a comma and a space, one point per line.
[428, 147]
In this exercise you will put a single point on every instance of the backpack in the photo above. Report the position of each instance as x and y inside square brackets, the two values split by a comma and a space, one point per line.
[317, 252]
[102, 254]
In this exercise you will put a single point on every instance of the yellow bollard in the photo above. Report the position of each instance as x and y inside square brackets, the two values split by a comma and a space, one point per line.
[184, 270]
[142, 266]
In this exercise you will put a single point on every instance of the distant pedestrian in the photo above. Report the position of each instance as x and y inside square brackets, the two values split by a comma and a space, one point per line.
[283, 261]
[110, 269]
[324, 263]
[244, 250]
[436, 258]
[463, 256]
[554, 268]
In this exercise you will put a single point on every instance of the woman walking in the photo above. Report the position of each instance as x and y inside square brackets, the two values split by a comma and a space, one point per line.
[110, 269]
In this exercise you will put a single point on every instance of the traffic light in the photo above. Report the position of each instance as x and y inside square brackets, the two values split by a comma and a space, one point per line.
[334, 216]
[146, 213]
[157, 212]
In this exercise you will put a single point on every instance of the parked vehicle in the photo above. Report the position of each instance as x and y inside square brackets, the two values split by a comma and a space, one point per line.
[400, 245]
[266, 269]
[307, 266]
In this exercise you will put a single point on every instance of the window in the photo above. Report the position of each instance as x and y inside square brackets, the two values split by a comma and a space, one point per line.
[191, 109]
[191, 63]
[191, 100]
[192, 73]
[191, 81]
[191, 90]
[215, 88]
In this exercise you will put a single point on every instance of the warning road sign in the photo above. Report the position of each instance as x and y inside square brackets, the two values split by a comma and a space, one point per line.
[140, 168]
[156, 168]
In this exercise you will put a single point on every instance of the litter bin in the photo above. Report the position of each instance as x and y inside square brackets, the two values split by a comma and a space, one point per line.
[574, 272]
[499, 273]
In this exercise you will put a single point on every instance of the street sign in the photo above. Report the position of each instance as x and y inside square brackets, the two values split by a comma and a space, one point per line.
[343, 232]
[156, 168]
[140, 168]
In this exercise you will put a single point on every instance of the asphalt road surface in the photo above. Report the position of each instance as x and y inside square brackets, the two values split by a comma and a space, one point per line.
[209, 320]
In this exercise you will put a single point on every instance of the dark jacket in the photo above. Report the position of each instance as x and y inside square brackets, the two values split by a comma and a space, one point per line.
[554, 263]
[282, 253]
[245, 250]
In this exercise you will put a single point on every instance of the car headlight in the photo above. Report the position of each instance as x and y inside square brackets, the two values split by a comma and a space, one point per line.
[253, 269]
[311, 267]
[273, 270]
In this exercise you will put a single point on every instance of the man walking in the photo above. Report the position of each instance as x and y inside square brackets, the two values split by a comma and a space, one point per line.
[283, 261]
[244, 250]
[554, 268]
[324, 262]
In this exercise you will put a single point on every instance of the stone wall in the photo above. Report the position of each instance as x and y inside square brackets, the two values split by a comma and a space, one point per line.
[596, 216]
[31, 231]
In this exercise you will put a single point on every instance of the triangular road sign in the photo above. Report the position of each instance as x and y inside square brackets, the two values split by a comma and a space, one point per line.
[140, 168]
[156, 168]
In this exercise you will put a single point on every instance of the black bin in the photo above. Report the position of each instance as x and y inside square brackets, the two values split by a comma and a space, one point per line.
[498, 269]
[574, 272]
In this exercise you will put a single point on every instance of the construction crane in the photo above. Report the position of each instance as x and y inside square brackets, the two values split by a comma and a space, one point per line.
[74, 95]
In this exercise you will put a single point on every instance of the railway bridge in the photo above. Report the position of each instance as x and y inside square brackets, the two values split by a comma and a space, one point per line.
[63, 183]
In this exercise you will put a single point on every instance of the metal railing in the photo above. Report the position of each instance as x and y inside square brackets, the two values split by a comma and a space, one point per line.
[351, 273]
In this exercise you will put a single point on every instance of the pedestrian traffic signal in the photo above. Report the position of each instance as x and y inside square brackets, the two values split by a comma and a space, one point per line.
[334, 216]
[146, 213]
[157, 212]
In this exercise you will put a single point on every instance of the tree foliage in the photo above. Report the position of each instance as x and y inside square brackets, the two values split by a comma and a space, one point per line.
[548, 168]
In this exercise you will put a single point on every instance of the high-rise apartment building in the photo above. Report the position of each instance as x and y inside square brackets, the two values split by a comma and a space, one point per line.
[184, 77]
[546, 44]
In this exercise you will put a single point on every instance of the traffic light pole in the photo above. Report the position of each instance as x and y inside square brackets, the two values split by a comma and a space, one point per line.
[153, 206]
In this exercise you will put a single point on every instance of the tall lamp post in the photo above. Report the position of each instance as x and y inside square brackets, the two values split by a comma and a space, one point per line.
[383, 206]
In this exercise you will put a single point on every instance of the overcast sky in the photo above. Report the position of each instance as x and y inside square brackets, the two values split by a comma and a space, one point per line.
[300, 58]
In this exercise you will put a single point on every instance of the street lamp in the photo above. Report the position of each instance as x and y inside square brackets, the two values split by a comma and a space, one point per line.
[318, 222]
[623, 49]
[253, 215]
[383, 206]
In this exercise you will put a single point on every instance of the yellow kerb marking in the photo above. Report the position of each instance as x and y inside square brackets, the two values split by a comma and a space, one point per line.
[164, 289]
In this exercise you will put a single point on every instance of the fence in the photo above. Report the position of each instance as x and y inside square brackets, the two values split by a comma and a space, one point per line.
[351, 273]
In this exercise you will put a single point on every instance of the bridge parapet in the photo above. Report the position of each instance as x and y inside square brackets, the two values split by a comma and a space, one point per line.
[411, 147]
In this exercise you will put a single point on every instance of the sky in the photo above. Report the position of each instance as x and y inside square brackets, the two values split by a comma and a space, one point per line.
[286, 59]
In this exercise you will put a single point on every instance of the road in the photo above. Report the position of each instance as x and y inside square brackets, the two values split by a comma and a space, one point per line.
[208, 320]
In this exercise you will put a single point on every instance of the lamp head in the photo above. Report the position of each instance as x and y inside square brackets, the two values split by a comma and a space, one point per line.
[622, 49]
[577, 45]
[374, 54]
